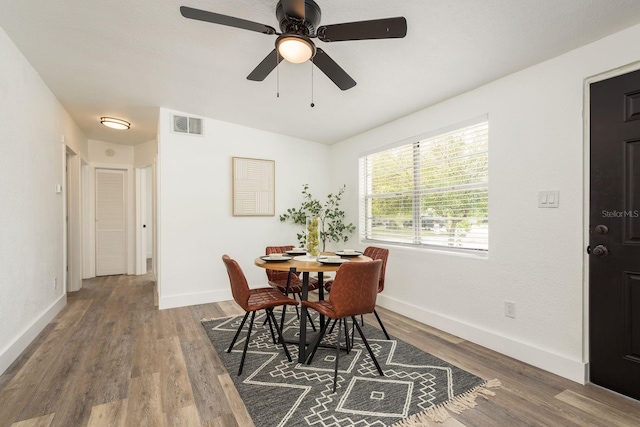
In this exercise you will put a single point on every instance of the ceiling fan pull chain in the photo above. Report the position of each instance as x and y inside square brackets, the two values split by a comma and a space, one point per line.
[312, 64]
[277, 74]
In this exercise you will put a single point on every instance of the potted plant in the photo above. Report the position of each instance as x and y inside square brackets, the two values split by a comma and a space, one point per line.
[322, 221]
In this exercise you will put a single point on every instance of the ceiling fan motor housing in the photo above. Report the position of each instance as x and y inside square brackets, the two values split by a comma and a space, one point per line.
[293, 25]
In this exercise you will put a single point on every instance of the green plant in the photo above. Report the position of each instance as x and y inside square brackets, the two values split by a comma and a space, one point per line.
[330, 217]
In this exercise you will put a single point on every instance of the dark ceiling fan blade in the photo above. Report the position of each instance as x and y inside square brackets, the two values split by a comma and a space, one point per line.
[229, 21]
[389, 28]
[265, 67]
[293, 8]
[333, 70]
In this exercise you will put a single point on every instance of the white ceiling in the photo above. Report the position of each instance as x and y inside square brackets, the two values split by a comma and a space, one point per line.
[128, 58]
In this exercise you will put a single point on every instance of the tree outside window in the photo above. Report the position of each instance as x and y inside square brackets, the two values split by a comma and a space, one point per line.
[433, 191]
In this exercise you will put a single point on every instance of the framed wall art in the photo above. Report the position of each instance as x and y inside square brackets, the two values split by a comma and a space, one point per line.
[253, 187]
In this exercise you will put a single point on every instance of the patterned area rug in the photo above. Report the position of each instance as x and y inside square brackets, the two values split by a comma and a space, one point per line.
[416, 386]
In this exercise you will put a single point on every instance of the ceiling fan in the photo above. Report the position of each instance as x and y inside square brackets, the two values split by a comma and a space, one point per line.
[299, 21]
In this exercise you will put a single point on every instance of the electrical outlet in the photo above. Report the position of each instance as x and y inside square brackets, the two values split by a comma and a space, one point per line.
[510, 309]
[55, 283]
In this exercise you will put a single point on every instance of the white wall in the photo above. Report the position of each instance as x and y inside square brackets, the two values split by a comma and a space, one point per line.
[536, 256]
[196, 226]
[144, 154]
[31, 237]
[74, 138]
[122, 154]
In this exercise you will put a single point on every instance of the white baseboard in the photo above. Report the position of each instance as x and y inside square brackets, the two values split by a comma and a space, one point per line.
[183, 300]
[13, 350]
[572, 369]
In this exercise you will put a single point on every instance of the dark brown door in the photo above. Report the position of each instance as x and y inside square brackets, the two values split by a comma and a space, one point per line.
[614, 264]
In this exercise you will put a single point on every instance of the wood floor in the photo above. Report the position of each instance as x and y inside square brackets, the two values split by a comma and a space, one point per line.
[110, 358]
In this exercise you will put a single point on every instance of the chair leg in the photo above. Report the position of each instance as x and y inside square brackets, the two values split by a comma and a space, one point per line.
[346, 335]
[286, 292]
[238, 332]
[284, 310]
[268, 319]
[381, 325]
[297, 312]
[333, 325]
[313, 325]
[316, 343]
[335, 370]
[246, 343]
[375, 361]
[353, 334]
[281, 338]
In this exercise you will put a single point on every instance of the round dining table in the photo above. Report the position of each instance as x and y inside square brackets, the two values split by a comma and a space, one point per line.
[306, 264]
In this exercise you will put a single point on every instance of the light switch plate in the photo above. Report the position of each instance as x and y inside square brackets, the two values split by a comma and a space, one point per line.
[548, 199]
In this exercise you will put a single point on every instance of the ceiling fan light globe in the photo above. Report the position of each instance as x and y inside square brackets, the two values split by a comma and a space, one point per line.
[295, 49]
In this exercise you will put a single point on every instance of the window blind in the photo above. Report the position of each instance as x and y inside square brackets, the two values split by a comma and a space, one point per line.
[431, 192]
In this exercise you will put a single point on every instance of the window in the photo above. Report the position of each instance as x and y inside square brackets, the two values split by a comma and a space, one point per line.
[432, 192]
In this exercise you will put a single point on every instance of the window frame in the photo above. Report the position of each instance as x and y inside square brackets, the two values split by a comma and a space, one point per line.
[365, 199]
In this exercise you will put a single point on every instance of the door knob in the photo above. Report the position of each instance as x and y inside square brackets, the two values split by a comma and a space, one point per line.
[601, 229]
[600, 250]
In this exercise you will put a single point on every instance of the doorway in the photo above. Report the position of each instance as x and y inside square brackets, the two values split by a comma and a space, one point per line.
[111, 222]
[67, 209]
[73, 221]
[614, 234]
[144, 220]
[149, 214]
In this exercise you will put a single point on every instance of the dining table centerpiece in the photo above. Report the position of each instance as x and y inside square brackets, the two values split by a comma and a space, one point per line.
[322, 222]
[313, 236]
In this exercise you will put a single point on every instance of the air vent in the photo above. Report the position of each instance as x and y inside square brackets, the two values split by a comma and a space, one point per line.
[188, 125]
[195, 126]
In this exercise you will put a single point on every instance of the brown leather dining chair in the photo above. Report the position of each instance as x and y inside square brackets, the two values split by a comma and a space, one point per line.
[288, 282]
[280, 279]
[354, 292]
[373, 253]
[252, 300]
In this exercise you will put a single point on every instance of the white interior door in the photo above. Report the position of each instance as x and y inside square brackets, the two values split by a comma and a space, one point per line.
[111, 222]
[141, 215]
[67, 201]
[149, 211]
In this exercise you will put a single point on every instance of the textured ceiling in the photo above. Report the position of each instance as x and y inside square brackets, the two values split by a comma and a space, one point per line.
[128, 58]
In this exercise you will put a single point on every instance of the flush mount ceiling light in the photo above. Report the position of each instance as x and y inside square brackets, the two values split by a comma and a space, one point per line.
[295, 48]
[115, 123]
